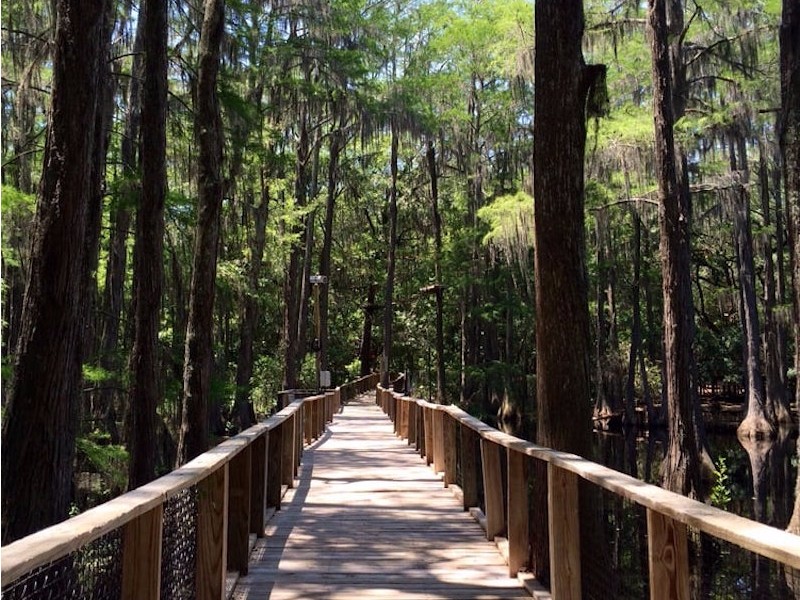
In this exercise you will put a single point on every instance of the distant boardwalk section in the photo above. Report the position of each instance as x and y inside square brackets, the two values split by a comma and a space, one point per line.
[368, 519]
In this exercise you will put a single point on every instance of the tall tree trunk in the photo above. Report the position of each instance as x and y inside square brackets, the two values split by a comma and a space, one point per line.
[790, 151]
[365, 351]
[437, 265]
[38, 441]
[337, 144]
[681, 468]
[120, 218]
[758, 422]
[198, 360]
[244, 413]
[148, 253]
[563, 83]
[388, 311]
[774, 368]
[636, 324]
[292, 296]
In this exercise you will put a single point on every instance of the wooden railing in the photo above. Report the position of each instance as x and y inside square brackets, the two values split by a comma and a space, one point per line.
[179, 535]
[448, 438]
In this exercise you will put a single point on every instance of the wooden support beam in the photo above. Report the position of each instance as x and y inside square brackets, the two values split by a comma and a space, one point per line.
[493, 489]
[469, 466]
[438, 441]
[239, 483]
[668, 557]
[258, 485]
[274, 467]
[412, 423]
[449, 449]
[141, 556]
[518, 542]
[564, 526]
[212, 536]
[430, 447]
[288, 429]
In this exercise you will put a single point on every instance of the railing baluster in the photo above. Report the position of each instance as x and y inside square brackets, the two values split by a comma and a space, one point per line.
[239, 511]
[492, 489]
[275, 466]
[141, 558]
[668, 557]
[469, 467]
[564, 527]
[212, 526]
[289, 427]
[449, 444]
[430, 447]
[517, 511]
[258, 485]
[438, 442]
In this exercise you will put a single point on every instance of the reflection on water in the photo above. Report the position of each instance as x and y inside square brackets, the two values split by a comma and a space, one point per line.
[757, 482]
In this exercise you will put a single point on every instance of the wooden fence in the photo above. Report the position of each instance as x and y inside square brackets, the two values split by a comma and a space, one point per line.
[180, 535]
[481, 458]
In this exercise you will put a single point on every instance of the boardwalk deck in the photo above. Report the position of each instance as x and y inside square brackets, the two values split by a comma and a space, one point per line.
[368, 519]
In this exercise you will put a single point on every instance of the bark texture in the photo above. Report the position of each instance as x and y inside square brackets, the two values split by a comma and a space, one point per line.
[198, 359]
[38, 442]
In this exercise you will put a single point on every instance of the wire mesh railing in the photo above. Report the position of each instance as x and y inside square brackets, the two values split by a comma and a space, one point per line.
[587, 531]
[170, 538]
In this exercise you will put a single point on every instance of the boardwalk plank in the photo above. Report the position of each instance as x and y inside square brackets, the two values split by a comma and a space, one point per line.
[368, 519]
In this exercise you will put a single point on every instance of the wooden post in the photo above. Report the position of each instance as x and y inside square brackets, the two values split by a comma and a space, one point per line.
[258, 485]
[565, 537]
[141, 556]
[449, 444]
[469, 467]
[212, 536]
[493, 489]
[288, 429]
[239, 511]
[308, 421]
[412, 423]
[438, 441]
[430, 447]
[517, 512]
[668, 557]
[274, 467]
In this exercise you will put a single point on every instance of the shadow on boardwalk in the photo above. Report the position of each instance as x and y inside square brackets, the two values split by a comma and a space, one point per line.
[368, 519]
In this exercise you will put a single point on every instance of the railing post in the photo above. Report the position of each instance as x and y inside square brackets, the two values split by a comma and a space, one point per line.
[275, 466]
[564, 533]
[288, 441]
[492, 489]
[438, 441]
[449, 443]
[469, 467]
[412, 423]
[212, 536]
[430, 449]
[239, 511]
[141, 556]
[258, 485]
[668, 557]
[308, 421]
[517, 511]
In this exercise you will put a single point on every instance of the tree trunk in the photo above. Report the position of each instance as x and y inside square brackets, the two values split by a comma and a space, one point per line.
[562, 314]
[337, 144]
[388, 311]
[365, 351]
[437, 240]
[198, 360]
[636, 324]
[774, 367]
[758, 423]
[244, 413]
[148, 253]
[681, 469]
[38, 441]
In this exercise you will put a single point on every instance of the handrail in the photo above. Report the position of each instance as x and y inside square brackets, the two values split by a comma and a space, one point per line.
[302, 421]
[666, 510]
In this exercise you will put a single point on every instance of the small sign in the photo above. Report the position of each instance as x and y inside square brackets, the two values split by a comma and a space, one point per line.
[325, 379]
[318, 279]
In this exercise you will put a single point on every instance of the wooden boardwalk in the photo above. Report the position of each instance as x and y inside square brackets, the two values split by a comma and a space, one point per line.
[368, 519]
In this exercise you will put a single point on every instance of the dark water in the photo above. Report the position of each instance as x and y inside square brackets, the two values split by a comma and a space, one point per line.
[719, 570]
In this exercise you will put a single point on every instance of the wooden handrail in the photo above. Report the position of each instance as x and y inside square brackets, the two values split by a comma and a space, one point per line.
[666, 510]
[55, 542]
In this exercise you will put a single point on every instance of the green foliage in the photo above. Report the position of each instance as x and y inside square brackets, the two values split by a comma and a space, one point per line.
[720, 492]
[109, 460]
